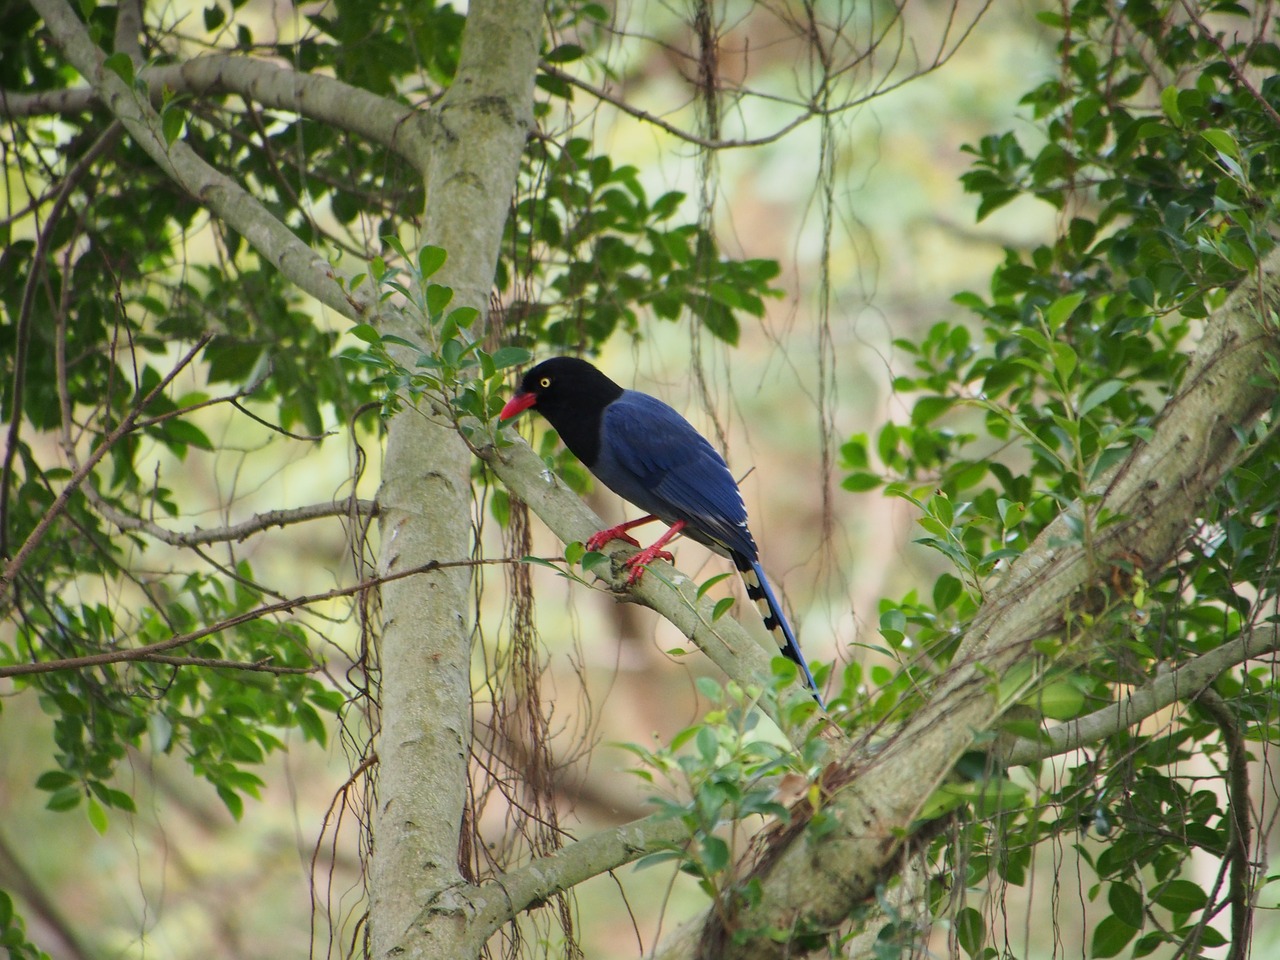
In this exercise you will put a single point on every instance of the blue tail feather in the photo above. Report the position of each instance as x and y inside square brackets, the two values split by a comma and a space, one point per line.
[759, 590]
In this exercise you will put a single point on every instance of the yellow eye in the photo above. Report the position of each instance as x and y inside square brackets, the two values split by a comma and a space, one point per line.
[544, 382]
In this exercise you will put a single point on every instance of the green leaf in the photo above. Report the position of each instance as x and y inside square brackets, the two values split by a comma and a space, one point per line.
[971, 930]
[565, 53]
[232, 801]
[1100, 394]
[1126, 903]
[1061, 309]
[121, 66]
[853, 453]
[505, 357]
[711, 582]
[946, 591]
[97, 816]
[708, 746]
[172, 120]
[1169, 104]
[710, 688]
[65, 799]
[861, 482]
[723, 606]
[463, 317]
[54, 780]
[430, 259]
[214, 17]
[928, 409]
[1060, 700]
[1064, 361]
[438, 298]
[185, 432]
[313, 727]
[366, 332]
[1223, 142]
[1181, 896]
[1111, 936]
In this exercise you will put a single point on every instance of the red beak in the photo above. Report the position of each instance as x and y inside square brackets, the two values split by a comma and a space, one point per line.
[517, 405]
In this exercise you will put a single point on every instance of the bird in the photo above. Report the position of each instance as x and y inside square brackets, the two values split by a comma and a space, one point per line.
[651, 456]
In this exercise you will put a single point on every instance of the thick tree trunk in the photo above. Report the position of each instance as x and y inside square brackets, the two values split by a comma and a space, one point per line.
[477, 133]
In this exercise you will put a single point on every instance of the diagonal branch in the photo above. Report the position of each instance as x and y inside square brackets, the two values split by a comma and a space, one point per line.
[1183, 683]
[497, 902]
[666, 591]
[15, 564]
[222, 195]
[1159, 490]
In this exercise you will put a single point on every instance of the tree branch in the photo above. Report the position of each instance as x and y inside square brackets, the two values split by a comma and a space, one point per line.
[223, 196]
[495, 903]
[237, 532]
[665, 590]
[1180, 684]
[150, 651]
[398, 127]
[1159, 490]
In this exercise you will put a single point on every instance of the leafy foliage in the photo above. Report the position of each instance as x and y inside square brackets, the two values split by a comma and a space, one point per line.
[599, 252]
[1157, 146]
[1165, 168]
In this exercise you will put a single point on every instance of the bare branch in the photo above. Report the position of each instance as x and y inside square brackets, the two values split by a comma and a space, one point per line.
[238, 532]
[495, 903]
[396, 126]
[258, 666]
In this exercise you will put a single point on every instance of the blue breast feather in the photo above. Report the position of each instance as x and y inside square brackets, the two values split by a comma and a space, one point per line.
[654, 458]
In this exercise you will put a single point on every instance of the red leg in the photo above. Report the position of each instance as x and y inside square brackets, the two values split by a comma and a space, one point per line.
[598, 540]
[652, 552]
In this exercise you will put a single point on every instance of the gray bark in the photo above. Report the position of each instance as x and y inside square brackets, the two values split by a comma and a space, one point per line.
[477, 134]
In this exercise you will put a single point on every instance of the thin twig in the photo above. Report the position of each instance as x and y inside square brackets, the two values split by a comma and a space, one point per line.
[257, 666]
[1239, 827]
[238, 532]
[1233, 65]
[284, 606]
[60, 503]
[110, 136]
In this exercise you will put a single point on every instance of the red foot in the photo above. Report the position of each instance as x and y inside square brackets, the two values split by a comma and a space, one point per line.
[652, 552]
[642, 559]
[598, 540]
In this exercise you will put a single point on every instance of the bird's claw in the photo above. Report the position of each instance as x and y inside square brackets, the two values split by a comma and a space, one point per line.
[641, 560]
[599, 539]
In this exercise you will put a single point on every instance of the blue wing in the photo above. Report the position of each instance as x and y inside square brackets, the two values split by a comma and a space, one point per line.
[653, 457]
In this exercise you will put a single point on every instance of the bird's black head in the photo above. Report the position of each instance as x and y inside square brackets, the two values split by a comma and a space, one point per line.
[572, 395]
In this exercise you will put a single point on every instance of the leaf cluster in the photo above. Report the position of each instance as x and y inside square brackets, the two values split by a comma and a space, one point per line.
[1165, 170]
